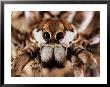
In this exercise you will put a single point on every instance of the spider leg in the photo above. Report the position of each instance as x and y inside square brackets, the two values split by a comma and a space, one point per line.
[23, 58]
[77, 67]
[82, 56]
[36, 67]
[85, 56]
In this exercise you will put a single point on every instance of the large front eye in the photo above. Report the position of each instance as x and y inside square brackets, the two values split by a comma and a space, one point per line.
[46, 35]
[59, 36]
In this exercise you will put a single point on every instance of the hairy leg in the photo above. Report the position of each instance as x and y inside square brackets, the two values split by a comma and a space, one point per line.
[23, 58]
[88, 60]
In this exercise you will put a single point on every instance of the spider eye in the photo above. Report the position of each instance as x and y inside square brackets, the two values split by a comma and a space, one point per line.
[46, 35]
[59, 35]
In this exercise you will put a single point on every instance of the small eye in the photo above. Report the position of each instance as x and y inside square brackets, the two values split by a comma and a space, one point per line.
[46, 35]
[59, 35]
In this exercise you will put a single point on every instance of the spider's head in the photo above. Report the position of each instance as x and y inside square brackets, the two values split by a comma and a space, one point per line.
[54, 36]
[55, 31]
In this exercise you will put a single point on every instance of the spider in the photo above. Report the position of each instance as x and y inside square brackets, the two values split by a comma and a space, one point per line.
[54, 42]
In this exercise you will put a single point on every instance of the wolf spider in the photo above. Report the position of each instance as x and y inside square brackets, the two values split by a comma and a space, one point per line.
[51, 44]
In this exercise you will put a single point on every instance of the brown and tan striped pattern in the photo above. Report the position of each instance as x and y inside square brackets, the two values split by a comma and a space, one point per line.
[83, 53]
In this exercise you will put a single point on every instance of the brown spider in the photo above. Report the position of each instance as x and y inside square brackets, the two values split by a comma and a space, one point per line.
[54, 42]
